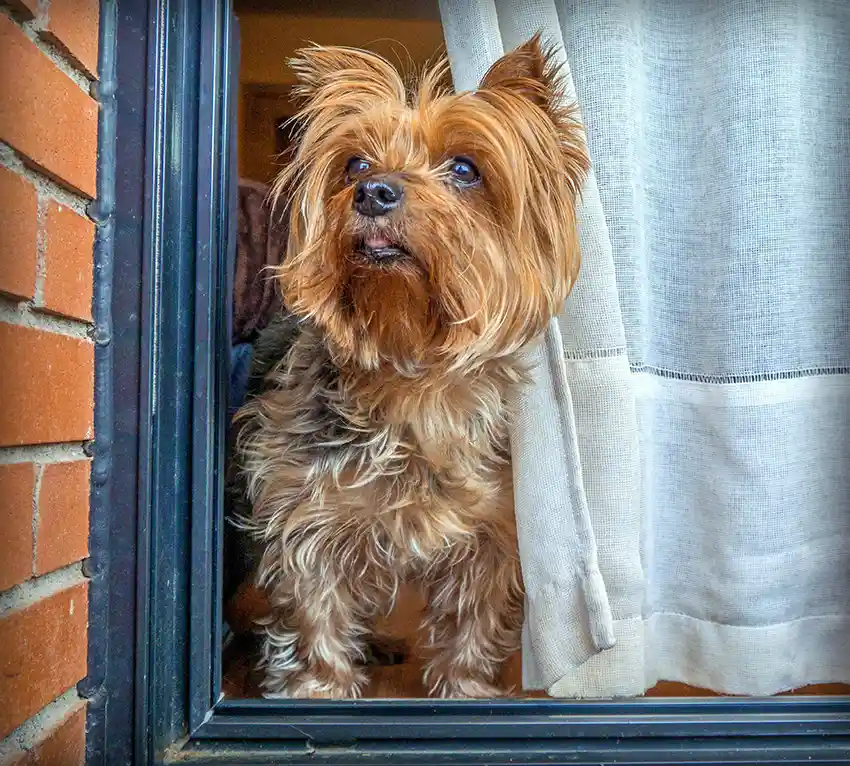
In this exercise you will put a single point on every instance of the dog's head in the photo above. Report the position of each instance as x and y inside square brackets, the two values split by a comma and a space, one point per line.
[427, 225]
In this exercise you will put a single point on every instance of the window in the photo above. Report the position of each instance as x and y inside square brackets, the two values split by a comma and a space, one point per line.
[177, 149]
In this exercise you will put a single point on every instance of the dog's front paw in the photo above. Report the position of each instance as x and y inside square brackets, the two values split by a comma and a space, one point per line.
[466, 688]
[306, 686]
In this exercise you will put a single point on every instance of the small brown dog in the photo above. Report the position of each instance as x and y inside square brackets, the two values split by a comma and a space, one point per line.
[432, 236]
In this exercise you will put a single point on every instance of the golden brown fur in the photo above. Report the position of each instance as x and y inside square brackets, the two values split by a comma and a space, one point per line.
[378, 452]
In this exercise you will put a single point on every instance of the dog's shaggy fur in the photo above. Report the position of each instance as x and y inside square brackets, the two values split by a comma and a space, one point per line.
[378, 452]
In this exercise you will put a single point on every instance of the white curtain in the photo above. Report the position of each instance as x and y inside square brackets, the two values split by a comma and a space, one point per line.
[682, 462]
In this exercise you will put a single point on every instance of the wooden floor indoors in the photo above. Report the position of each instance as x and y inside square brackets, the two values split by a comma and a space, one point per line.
[402, 678]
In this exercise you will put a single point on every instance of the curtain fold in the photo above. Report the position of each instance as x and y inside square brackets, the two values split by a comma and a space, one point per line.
[568, 614]
[694, 524]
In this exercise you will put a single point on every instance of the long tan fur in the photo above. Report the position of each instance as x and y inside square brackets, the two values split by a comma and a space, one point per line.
[378, 452]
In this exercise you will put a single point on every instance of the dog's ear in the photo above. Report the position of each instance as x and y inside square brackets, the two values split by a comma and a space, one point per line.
[530, 70]
[327, 72]
[533, 72]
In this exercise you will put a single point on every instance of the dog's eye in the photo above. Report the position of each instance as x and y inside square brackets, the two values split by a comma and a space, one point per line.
[357, 166]
[464, 172]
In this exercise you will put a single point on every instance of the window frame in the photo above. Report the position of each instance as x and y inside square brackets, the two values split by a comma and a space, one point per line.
[157, 552]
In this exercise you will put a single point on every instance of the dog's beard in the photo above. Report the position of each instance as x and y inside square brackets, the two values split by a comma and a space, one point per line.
[414, 300]
[421, 302]
[392, 313]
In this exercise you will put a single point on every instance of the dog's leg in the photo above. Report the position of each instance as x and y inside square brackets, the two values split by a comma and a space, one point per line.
[312, 648]
[473, 619]
[314, 640]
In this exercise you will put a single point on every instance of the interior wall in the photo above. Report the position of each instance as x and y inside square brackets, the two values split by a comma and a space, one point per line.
[268, 39]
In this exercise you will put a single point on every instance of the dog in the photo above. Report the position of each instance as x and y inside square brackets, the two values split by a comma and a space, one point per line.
[432, 237]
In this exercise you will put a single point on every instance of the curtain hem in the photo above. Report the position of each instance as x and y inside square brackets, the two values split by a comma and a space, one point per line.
[727, 659]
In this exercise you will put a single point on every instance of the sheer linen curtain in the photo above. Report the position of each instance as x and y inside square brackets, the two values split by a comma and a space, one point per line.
[682, 461]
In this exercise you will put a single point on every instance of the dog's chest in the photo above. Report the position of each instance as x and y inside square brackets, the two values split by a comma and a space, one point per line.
[424, 491]
[416, 475]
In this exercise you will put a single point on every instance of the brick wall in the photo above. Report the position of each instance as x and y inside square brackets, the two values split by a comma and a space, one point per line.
[48, 149]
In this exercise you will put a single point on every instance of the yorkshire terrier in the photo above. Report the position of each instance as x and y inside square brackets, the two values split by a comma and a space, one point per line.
[432, 236]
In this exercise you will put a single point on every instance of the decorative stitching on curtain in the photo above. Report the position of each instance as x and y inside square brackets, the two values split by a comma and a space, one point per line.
[746, 378]
[595, 353]
[661, 372]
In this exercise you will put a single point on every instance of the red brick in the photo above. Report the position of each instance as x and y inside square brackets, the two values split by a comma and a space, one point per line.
[18, 230]
[46, 388]
[69, 265]
[44, 654]
[24, 9]
[72, 25]
[44, 115]
[61, 745]
[17, 483]
[62, 535]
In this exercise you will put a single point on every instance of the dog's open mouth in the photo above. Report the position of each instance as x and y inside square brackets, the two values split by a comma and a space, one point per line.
[381, 250]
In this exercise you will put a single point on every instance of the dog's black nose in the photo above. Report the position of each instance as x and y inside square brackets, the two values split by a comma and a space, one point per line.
[377, 196]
